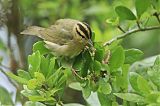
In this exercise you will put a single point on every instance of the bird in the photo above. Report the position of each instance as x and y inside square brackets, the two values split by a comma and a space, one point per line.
[66, 37]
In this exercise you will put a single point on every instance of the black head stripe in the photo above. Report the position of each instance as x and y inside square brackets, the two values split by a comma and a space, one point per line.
[79, 33]
[90, 32]
[83, 30]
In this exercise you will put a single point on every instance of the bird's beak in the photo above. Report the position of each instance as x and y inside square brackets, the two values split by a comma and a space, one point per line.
[90, 42]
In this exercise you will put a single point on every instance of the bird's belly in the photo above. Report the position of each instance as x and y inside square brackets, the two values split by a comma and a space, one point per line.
[70, 50]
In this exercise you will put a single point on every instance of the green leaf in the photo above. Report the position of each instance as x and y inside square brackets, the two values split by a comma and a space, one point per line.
[40, 46]
[94, 85]
[87, 60]
[156, 4]
[17, 78]
[122, 80]
[124, 13]
[143, 85]
[78, 62]
[133, 80]
[27, 92]
[86, 91]
[31, 103]
[24, 74]
[34, 61]
[152, 97]
[105, 100]
[117, 58]
[32, 84]
[113, 22]
[44, 67]
[51, 66]
[76, 86]
[130, 97]
[5, 97]
[93, 36]
[53, 79]
[140, 7]
[104, 87]
[40, 78]
[132, 55]
[97, 67]
[62, 81]
[99, 53]
[154, 72]
[40, 98]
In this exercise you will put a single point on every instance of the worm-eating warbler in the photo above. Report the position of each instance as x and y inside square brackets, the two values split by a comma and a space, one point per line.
[67, 37]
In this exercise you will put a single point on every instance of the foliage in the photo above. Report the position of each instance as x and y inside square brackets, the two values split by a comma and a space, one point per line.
[105, 71]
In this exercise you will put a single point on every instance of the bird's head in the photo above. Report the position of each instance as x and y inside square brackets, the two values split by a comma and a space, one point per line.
[83, 32]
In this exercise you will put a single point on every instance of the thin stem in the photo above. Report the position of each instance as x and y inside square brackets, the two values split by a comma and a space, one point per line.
[120, 28]
[157, 16]
[138, 24]
[75, 73]
[129, 33]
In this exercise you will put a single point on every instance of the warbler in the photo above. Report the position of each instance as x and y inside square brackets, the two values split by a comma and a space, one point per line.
[67, 37]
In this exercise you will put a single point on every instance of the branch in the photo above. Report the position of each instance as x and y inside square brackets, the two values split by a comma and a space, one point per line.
[129, 33]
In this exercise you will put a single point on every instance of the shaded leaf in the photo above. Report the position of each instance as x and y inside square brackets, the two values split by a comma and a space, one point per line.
[24, 74]
[154, 72]
[104, 100]
[76, 86]
[97, 67]
[143, 85]
[86, 91]
[99, 53]
[34, 61]
[104, 87]
[132, 55]
[140, 7]
[17, 78]
[133, 80]
[130, 97]
[124, 13]
[40, 46]
[117, 58]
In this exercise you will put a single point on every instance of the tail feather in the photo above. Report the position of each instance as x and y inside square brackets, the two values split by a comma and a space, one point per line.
[33, 30]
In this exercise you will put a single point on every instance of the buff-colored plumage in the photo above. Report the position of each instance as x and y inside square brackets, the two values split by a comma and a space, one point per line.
[61, 37]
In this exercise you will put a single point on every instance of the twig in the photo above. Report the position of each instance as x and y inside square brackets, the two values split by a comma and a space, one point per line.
[75, 73]
[138, 24]
[157, 16]
[129, 33]
[120, 28]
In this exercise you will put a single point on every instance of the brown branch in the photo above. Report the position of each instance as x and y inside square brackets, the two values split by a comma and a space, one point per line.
[129, 33]
[76, 74]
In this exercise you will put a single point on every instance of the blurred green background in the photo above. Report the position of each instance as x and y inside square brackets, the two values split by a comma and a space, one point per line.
[16, 15]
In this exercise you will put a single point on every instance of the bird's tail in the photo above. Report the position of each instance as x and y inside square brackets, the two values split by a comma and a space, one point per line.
[33, 30]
